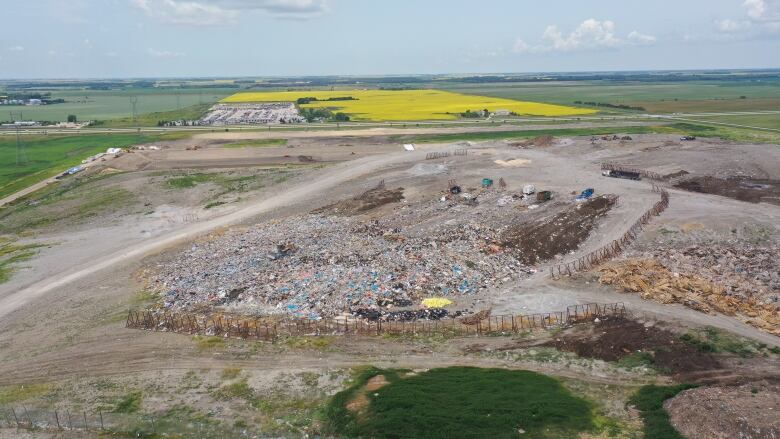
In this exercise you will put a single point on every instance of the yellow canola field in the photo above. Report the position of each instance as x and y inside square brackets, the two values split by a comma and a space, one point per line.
[400, 105]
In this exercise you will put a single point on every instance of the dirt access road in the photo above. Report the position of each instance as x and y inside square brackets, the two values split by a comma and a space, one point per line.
[10, 301]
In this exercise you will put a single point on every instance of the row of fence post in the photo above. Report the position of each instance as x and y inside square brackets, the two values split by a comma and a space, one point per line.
[615, 247]
[19, 420]
[255, 328]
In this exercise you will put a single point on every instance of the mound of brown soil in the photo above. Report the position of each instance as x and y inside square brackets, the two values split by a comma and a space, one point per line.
[541, 141]
[617, 337]
[747, 411]
[368, 200]
[564, 232]
[739, 188]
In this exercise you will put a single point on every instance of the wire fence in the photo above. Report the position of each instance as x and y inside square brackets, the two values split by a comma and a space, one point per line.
[615, 247]
[166, 424]
[235, 326]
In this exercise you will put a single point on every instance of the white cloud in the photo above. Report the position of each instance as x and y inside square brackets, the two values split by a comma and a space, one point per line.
[640, 38]
[730, 26]
[220, 12]
[763, 19]
[16, 49]
[164, 53]
[591, 34]
[763, 10]
[111, 54]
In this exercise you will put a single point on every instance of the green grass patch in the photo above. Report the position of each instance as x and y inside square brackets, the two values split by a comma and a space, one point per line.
[649, 400]
[129, 403]
[319, 343]
[524, 134]
[238, 390]
[12, 254]
[204, 343]
[230, 373]
[461, 402]
[636, 359]
[21, 392]
[192, 112]
[710, 339]
[49, 155]
[257, 143]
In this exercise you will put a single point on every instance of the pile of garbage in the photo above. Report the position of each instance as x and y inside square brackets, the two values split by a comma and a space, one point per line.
[655, 281]
[315, 266]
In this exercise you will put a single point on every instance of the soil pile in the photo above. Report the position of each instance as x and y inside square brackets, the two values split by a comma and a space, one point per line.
[739, 188]
[747, 411]
[367, 201]
[615, 338]
[564, 232]
[540, 141]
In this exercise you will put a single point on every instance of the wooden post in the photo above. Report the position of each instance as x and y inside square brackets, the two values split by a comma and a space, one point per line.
[100, 412]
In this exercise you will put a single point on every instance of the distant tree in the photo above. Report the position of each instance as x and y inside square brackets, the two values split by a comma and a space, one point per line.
[72, 118]
[341, 117]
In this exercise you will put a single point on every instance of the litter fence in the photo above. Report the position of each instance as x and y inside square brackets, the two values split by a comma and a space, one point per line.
[233, 326]
[612, 166]
[615, 247]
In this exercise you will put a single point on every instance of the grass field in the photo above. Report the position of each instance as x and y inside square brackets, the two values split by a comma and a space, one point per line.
[115, 104]
[661, 97]
[459, 402]
[48, 156]
[649, 400]
[771, 121]
[374, 105]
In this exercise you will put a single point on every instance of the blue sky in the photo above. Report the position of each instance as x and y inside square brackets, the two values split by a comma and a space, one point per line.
[162, 38]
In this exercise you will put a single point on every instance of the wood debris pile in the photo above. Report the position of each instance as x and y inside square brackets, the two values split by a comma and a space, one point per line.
[653, 281]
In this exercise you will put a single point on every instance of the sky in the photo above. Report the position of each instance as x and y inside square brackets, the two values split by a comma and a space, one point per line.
[233, 38]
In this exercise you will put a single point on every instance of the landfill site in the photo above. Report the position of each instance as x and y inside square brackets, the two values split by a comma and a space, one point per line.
[609, 261]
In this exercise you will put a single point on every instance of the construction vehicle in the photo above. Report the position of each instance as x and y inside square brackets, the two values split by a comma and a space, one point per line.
[686, 138]
[529, 189]
[630, 175]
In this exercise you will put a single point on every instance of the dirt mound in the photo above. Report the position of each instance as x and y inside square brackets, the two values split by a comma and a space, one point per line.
[747, 411]
[564, 232]
[653, 281]
[542, 141]
[615, 338]
[739, 188]
[368, 200]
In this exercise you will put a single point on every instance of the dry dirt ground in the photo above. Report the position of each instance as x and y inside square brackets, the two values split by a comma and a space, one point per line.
[62, 315]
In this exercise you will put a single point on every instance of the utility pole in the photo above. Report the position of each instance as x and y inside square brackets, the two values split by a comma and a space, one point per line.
[133, 102]
[21, 152]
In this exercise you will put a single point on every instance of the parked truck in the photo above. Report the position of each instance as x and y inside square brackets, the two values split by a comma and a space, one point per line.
[622, 174]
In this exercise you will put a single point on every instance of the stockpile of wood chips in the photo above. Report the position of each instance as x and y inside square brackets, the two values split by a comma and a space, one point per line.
[653, 281]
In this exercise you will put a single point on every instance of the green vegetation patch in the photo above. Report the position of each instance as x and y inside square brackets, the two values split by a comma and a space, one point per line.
[12, 254]
[47, 156]
[73, 200]
[256, 143]
[711, 339]
[524, 134]
[208, 342]
[129, 403]
[649, 400]
[459, 402]
[21, 392]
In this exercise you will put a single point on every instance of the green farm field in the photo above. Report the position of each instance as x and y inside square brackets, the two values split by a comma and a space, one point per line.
[47, 156]
[661, 97]
[115, 104]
